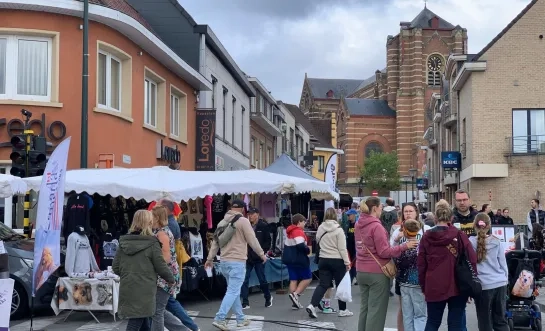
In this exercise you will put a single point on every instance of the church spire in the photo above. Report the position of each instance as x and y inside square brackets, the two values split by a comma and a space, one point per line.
[425, 4]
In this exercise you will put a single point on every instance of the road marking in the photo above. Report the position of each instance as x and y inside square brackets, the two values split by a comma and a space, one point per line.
[38, 323]
[315, 325]
[102, 326]
[390, 329]
[256, 324]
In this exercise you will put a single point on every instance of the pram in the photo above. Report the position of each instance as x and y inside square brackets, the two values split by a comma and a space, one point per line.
[522, 311]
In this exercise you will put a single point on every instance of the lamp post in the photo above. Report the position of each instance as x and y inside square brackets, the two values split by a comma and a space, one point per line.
[85, 87]
[412, 173]
[406, 180]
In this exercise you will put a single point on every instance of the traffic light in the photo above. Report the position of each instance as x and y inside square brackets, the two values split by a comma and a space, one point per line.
[18, 155]
[37, 158]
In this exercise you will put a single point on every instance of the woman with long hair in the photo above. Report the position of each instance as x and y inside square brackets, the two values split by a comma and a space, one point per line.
[492, 266]
[373, 254]
[163, 318]
[333, 261]
[437, 254]
[138, 262]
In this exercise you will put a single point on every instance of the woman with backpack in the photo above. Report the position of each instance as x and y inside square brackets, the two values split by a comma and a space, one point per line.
[333, 261]
[437, 258]
[490, 305]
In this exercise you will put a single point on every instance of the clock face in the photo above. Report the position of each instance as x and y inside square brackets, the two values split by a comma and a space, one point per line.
[435, 63]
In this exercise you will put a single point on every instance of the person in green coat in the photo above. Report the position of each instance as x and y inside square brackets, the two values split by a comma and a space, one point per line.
[138, 261]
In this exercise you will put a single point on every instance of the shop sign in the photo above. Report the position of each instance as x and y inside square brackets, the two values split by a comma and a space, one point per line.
[56, 131]
[167, 153]
[451, 160]
[205, 151]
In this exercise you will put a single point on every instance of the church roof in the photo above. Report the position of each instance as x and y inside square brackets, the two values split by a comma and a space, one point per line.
[423, 20]
[320, 87]
[369, 107]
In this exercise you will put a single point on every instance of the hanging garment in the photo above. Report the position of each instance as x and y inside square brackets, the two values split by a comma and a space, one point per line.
[208, 207]
[196, 245]
[79, 255]
[77, 214]
[108, 251]
[267, 205]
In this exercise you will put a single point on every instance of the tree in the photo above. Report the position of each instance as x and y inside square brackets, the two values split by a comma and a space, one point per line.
[380, 171]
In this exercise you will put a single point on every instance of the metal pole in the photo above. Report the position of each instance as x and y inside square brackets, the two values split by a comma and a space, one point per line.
[85, 87]
[406, 191]
[412, 187]
[27, 232]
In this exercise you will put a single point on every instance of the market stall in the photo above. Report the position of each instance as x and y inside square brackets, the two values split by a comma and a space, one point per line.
[11, 185]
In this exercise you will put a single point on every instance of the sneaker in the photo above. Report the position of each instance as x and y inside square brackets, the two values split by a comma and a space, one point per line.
[245, 306]
[244, 322]
[294, 307]
[268, 303]
[222, 325]
[345, 313]
[311, 310]
[295, 299]
[329, 310]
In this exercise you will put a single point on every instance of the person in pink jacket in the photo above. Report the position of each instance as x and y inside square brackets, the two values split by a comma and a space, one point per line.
[373, 251]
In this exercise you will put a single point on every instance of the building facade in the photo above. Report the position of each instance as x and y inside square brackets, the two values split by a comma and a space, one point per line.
[266, 120]
[415, 61]
[141, 94]
[499, 132]
[231, 91]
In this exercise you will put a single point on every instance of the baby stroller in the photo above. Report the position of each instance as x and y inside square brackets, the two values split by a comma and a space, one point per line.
[524, 274]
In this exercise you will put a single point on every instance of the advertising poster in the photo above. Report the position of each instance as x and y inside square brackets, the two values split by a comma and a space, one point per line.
[331, 179]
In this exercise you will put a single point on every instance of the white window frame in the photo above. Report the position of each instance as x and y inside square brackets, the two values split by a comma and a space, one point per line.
[12, 61]
[147, 117]
[174, 123]
[109, 58]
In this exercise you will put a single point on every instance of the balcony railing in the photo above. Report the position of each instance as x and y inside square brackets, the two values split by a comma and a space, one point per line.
[526, 145]
[449, 117]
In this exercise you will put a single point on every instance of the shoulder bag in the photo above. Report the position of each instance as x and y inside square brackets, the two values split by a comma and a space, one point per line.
[466, 278]
[317, 252]
[389, 269]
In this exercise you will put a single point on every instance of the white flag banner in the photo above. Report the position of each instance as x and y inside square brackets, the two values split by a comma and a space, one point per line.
[331, 179]
[47, 244]
[6, 293]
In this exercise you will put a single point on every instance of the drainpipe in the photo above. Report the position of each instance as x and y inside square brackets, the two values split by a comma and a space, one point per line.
[458, 133]
[85, 88]
[202, 68]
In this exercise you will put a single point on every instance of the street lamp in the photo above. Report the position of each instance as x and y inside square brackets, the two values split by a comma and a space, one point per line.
[412, 173]
[406, 180]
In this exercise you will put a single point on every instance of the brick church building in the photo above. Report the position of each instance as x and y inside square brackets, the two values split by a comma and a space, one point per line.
[388, 111]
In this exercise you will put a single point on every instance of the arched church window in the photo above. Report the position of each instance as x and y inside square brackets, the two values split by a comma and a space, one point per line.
[435, 67]
[372, 146]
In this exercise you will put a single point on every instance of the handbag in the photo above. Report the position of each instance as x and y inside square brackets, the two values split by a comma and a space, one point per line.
[389, 269]
[317, 251]
[466, 278]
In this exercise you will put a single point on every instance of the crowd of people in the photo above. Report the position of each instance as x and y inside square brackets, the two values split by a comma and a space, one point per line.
[387, 251]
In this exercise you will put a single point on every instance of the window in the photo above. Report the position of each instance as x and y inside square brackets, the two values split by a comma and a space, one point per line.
[214, 84]
[178, 114]
[435, 67]
[224, 106]
[25, 68]
[261, 104]
[109, 81]
[260, 156]
[150, 102]
[242, 119]
[233, 114]
[269, 152]
[372, 146]
[321, 164]
[528, 130]
[252, 151]
[306, 148]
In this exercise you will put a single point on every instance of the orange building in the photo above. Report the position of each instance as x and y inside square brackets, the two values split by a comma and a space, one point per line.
[142, 95]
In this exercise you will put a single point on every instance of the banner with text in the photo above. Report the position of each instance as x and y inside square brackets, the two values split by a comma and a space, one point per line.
[331, 179]
[205, 151]
[47, 244]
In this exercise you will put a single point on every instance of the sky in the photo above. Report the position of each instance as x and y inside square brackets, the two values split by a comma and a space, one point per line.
[278, 41]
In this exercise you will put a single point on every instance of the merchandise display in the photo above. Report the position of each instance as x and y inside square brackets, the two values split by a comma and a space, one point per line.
[79, 255]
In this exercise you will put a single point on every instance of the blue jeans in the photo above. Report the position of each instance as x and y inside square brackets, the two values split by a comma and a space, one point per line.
[456, 314]
[176, 309]
[464, 326]
[414, 308]
[234, 273]
[263, 284]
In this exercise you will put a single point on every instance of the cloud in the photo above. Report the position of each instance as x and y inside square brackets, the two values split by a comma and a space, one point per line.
[279, 41]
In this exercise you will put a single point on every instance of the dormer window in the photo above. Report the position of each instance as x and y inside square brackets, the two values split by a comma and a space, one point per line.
[330, 94]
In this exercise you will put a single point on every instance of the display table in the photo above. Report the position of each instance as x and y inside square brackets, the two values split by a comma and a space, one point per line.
[86, 294]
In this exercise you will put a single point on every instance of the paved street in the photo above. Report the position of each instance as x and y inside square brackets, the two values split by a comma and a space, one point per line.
[203, 310]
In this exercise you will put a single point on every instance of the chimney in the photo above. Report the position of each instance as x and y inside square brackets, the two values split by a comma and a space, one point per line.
[435, 23]
[330, 94]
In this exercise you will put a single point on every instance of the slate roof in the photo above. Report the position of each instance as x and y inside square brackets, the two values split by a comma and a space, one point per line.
[305, 122]
[423, 20]
[124, 7]
[369, 107]
[320, 86]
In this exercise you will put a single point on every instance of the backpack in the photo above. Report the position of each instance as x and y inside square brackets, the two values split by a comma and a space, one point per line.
[388, 219]
[225, 231]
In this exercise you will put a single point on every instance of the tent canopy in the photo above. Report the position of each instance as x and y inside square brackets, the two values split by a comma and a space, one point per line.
[161, 182]
[284, 165]
[11, 185]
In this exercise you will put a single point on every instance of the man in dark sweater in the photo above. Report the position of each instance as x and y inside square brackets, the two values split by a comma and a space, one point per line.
[262, 233]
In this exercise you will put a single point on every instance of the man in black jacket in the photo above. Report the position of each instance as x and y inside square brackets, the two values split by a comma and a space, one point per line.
[263, 235]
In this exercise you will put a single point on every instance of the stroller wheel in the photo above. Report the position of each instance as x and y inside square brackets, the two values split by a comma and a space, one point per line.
[511, 324]
[537, 324]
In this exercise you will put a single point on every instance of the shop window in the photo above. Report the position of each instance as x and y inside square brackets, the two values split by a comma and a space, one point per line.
[178, 114]
[528, 131]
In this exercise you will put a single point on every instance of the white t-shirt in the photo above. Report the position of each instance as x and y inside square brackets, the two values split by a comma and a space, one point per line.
[403, 239]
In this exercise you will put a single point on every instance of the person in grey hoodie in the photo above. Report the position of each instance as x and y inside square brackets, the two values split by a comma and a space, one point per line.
[492, 272]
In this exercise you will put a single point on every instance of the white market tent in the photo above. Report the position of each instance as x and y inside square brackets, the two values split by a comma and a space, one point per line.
[162, 182]
[11, 185]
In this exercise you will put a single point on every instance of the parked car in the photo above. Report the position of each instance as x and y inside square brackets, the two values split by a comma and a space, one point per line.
[21, 261]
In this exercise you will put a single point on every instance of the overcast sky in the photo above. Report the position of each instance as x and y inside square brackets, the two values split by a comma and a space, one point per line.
[277, 41]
